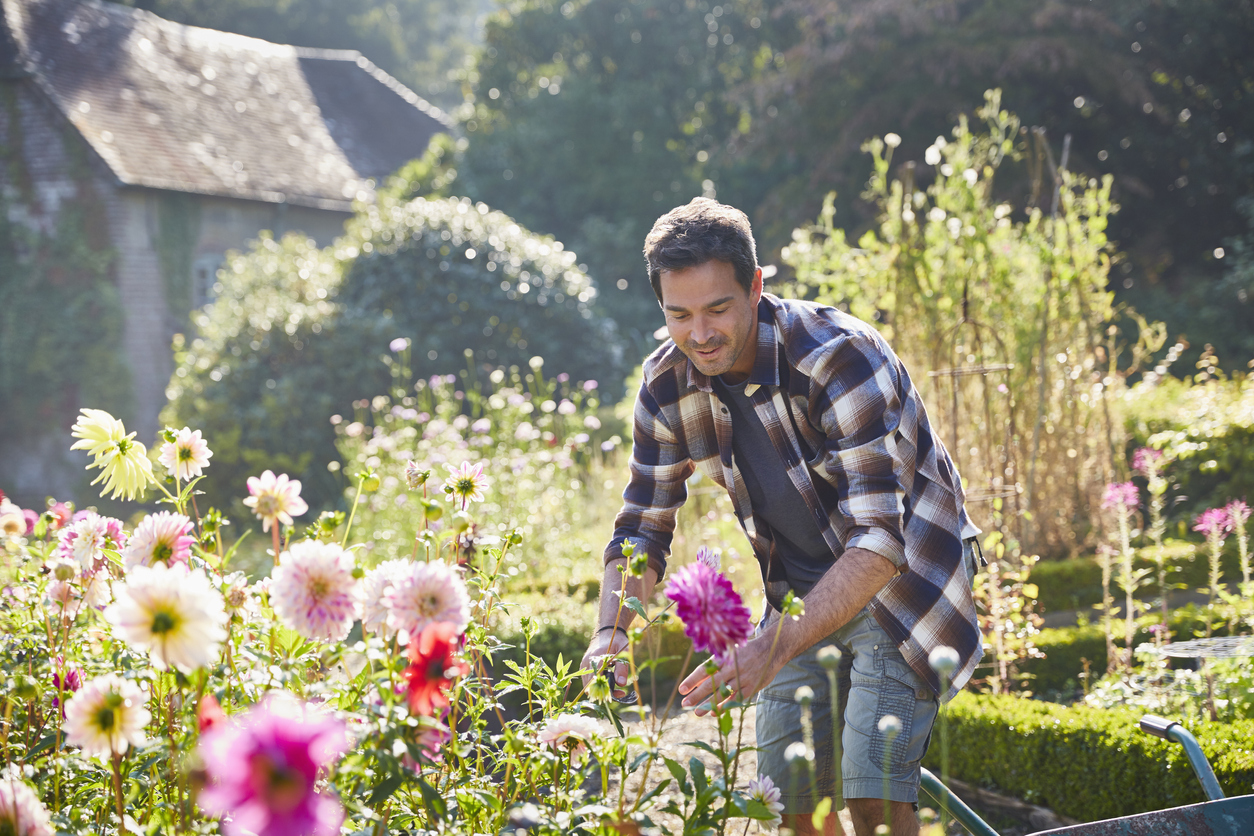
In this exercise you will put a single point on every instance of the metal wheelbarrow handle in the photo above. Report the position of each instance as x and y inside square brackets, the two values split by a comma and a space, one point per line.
[1171, 730]
[957, 808]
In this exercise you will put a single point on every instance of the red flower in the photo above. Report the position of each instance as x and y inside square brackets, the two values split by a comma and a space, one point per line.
[434, 664]
[209, 713]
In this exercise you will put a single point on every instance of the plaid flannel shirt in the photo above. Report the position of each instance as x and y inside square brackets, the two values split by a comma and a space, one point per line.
[879, 480]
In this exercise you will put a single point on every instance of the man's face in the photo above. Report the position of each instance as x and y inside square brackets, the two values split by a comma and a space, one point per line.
[711, 317]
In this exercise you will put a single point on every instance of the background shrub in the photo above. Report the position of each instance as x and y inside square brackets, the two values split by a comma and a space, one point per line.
[1086, 763]
[296, 333]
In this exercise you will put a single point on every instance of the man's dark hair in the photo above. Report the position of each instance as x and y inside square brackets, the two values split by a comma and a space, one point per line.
[700, 231]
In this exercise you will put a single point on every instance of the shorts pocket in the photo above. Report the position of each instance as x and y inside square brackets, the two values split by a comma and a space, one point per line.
[899, 691]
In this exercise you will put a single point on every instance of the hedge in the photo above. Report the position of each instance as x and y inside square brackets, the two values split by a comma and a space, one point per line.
[1086, 763]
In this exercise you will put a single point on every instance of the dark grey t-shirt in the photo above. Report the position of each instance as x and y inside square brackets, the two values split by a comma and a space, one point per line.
[799, 544]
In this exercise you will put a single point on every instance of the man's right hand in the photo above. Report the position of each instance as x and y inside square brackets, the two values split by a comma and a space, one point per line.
[607, 643]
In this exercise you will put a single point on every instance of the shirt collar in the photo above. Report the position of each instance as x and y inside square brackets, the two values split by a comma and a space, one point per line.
[765, 364]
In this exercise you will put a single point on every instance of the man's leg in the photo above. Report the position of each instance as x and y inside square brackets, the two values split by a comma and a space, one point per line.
[803, 825]
[877, 763]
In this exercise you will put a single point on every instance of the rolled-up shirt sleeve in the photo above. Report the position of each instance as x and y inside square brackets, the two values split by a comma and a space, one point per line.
[860, 413]
[656, 489]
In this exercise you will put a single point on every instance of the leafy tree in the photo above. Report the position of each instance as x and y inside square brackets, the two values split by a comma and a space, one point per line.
[593, 117]
[1152, 91]
[424, 43]
[297, 334]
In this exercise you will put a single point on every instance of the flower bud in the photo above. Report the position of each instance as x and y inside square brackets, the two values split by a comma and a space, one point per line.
[415, 476]
[804, 696]
[370, 483]
[889, 726]
[798, 752]
[64, 570]
[638, 564]
[829, 657]
[944, 660]
[460, 522]
[432, 510]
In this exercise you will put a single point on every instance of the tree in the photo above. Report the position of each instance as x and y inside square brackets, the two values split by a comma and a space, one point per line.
[1151, 91]
[593, 117]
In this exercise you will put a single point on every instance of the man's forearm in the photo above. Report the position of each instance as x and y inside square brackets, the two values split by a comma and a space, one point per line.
[615, 580]
[839, 595]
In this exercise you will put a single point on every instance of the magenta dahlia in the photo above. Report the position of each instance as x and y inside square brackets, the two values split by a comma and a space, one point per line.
[714, 616]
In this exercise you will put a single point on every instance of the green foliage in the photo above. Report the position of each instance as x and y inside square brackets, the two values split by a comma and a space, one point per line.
[296, 333]
[1205, 425]
[1009, 317]
[633, 97]
[1086, 763]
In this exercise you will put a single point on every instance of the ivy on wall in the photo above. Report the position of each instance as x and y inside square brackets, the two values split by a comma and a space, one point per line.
[61, 319]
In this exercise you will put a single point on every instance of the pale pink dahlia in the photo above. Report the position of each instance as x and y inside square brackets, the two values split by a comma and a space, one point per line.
[313, 590]
[377, 583]
[163, 537]
[106, 716]
[424, 594]
[86, 539]
[569, 730]
[1121, 495]
[466, 482]
[1145, 460]
[714, 616]
[176, 615]
[263, 767]
[186, 456]
[763, 790]
[275, 498]
[21, 811]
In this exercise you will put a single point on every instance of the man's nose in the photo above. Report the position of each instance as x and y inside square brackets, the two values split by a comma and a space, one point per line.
[702, 330]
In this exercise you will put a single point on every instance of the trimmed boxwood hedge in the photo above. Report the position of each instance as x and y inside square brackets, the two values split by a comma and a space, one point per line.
[1082, 762]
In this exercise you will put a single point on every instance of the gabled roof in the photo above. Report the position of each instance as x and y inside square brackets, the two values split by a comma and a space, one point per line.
[186, 109]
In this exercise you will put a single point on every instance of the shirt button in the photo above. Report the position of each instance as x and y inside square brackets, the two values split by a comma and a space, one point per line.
[724, 410]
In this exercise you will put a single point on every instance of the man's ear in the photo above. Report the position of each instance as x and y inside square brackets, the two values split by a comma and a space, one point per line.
[755, 290]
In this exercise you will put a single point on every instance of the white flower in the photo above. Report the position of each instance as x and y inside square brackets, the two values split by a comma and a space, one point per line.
[932, 156]
[892, 141]
[176, 615]
[944, 660]
[186, 456]
[275, 498]
[86, 539]
[92, 590]
[424, 594]
[106, 716]
[377, 584]
[12, 520]
[313, 590]
[21, 811]
[123, 462]
[163, 537]
[763, 789]
[889, 726]
[564, 729]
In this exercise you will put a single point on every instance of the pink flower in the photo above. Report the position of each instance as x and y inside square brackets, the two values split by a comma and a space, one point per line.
[569, 730]
[1145, 460]
[422, 594]
[186, 456]
[32, 518]
[21, 811]
[1238, 513]
[466, 482]
[85, 539]
[163, 537]
[262, 769]
[1121, 495]
[714, 616]
[398, 345]
[709, 557]
[1213, 522]
[275, 498]
[313, 590]
[60, 512]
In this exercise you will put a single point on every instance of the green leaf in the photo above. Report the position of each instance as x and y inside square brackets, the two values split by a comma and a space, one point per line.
[697, 768]
[435, 804]
[821, 812]
[725, 722]
[635, 606]
[385, 788]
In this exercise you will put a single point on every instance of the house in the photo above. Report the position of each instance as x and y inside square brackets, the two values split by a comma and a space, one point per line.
[193, 141]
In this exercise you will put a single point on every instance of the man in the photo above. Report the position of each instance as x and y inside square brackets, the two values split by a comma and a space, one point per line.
[811, 423]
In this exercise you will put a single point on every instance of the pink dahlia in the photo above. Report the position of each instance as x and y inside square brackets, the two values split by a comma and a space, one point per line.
[422, 594]
[1121, 495]
[86, 539]
[1213, 522]
[466, 482]
[573, 731]
[262, 769]
[275, 498]
[375, 586]
[313, 590]
[714, 616]
[710, 558]
[163, 537]
[186, 456]
[21, 811]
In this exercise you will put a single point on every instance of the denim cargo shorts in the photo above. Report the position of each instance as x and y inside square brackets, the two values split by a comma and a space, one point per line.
[873, 681]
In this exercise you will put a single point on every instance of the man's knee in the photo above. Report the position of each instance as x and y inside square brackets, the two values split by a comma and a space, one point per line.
[868, 813]
[802, 824]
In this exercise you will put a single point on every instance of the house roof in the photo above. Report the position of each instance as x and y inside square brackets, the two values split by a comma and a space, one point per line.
[187, 109]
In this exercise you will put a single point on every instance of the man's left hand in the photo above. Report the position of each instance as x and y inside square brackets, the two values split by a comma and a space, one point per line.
[750, 668]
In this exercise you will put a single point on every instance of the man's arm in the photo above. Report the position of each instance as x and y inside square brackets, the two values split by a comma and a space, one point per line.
[606, 642]
[839, 595]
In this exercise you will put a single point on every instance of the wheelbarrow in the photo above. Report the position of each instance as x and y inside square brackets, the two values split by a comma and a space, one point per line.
[1217, 816]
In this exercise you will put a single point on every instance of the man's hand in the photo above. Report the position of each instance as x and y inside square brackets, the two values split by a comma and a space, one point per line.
[603, 644]
[750, 669]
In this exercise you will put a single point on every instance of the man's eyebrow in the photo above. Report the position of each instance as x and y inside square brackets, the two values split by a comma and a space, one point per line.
[714, 304]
